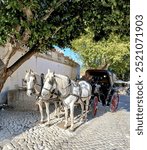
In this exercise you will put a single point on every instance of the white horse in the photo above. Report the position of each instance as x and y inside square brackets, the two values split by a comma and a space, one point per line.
[34, 84]
[70, 93]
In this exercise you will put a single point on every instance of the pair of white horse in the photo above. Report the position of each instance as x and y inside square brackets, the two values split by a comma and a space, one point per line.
[60, 86]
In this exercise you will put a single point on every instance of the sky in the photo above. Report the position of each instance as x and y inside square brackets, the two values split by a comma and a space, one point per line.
[71, 54]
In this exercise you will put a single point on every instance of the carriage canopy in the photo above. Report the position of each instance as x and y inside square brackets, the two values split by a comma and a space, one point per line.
[102, 76]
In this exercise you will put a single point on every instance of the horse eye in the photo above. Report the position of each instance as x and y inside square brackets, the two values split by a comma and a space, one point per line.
[24, 81]
[50, 82]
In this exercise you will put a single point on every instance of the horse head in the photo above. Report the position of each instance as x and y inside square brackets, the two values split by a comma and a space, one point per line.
[30, 80]
[49, 84]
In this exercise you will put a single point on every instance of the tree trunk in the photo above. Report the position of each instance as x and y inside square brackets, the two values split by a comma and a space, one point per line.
[2, 79]
[5, 73]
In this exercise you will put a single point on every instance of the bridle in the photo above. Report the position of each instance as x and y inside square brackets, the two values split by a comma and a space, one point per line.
[28, 80]
[35, 83]
[52, 89]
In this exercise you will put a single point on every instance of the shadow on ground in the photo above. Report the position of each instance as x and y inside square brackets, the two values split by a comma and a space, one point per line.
[13, 123]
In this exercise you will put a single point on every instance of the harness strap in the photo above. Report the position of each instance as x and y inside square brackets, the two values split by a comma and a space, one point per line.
[79, 97]
[41, 85]
[42, 81]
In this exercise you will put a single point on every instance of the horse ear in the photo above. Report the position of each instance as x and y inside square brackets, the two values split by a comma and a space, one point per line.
[48, 70]
[30, 70]
[32, 73]
[54, 74]
[51, 74]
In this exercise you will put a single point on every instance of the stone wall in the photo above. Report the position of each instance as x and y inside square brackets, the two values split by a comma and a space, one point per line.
[18, 100]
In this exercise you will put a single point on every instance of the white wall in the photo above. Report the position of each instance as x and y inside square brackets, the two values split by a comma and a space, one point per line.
[39, 65]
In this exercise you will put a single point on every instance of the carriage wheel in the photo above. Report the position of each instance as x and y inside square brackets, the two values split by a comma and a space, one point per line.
[95, 105]
[114, 102]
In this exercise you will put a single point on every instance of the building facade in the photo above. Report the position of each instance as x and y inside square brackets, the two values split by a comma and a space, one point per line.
[40, 63]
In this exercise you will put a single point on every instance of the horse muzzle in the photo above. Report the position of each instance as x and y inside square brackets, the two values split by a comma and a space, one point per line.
[30, 92]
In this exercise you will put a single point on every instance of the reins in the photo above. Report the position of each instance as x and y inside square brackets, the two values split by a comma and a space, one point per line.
[62, 79]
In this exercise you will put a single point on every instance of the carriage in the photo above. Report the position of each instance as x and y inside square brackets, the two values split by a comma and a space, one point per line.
[103, 90]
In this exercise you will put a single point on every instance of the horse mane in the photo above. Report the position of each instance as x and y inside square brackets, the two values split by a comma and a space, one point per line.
[62, 83]
[62, 77]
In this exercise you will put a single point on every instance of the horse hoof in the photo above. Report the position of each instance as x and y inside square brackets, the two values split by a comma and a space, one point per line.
[55, 116]
[62, 110]
[65, 127]
[47, 124]
[71, 129]
[41, 122]
[82, 120]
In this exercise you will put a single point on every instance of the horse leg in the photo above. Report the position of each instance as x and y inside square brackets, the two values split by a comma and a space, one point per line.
[82, 110]
[40, 104]
[56, 106]
[87, 106]
[66, 117]
[72, 116]
[61, 107]
[47, 112]
[57, 109]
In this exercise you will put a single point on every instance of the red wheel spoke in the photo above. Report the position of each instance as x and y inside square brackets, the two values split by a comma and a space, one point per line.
[95, 105]
[114, 103]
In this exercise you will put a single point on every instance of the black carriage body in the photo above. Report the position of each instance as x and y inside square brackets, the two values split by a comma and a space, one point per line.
[106, 94]
[105, 79]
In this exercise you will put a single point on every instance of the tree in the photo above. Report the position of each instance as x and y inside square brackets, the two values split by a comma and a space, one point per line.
[112, 53]
[40, 24]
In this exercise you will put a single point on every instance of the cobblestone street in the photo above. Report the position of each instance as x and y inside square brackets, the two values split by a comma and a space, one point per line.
[107, 131]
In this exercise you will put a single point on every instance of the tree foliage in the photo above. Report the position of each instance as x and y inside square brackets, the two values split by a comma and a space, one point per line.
[40, 24]
[57, 22]
[112, 52]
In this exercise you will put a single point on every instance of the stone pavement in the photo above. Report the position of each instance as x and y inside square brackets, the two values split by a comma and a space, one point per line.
[107, 131]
